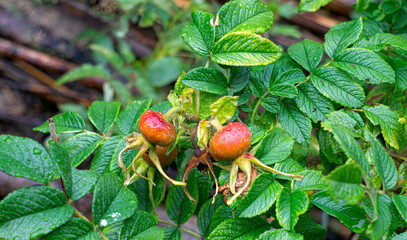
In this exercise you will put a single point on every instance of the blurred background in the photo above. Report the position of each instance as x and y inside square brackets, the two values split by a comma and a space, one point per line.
[118, 50]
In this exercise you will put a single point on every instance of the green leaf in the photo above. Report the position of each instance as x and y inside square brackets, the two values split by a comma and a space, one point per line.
[341, 36]
[206, 99]
[350, 146]
[344, 119]
[345, 183]
[313, 180]
[295, 123]
[84, 71]
[172, 233]
[81, 146]
[390, 6]
[60, 157]
[164, 71]
[102, 114]
[260, 197]
[257, 133]
[239, 229]
[113, 231]
[287, 166]
[30, 212]
[280, 234]
[205, 215]
[290, 205]
[206, 79]
[284, 90]
[142, 191]
[94, 235]
[199, 35]
[400, 67]
[111, 56]
[384, 164]
[312, 102]
[257, 81]
[309, 229]
[401, 204]
[400, 236]
[307, 53]
[64, 123]
[381, 224]
[83, 181]
[71, 230]
[221, 214]
[112, 201]
[24, 157]
[121, 91]
[224, 108]
[311, 5]
[141, 225]
[104, 155]
[353, 216]
[365, 65]
[275, 147]
[338, 86]
[362, 5]
[271, 104]
[238, 78]
[380, 40]
[392, 130]
[330, 149]
[291, 76]
[129, 117]
[179, 207]
[244, 16]
[245, 49]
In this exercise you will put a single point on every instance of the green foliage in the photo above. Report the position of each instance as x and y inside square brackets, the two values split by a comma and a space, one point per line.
[335, 131]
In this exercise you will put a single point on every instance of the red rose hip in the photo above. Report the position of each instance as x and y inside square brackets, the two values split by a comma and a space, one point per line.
[230, 142]
[164, 160]
[156, 129]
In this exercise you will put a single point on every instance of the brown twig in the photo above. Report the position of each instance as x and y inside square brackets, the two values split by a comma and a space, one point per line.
[52, 130]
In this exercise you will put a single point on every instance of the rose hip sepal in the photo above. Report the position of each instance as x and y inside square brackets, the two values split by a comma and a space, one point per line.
[230, 142]
[162, 157]
[156, 129]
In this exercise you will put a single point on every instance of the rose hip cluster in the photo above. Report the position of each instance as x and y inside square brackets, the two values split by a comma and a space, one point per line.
[228, 149]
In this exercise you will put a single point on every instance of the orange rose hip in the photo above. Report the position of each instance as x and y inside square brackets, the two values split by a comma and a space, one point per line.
[230, 142]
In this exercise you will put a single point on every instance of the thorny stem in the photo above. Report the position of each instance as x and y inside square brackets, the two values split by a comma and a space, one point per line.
[180, 228]
[257, 107]
[52, 130]
[328, 63]
[207, 62]
[79, 214]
